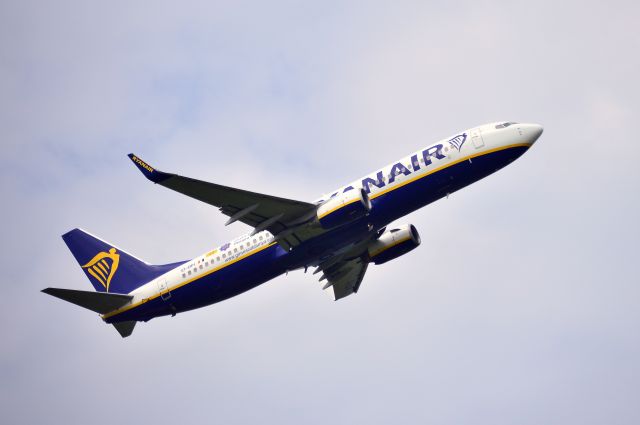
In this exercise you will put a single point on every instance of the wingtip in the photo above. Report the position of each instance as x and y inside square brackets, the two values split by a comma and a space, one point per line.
[147, 170]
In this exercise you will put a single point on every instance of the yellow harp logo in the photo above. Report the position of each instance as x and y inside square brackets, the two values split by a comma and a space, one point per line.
[103, 266]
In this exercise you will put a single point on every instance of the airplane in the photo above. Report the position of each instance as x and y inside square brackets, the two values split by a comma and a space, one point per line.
[339, 234]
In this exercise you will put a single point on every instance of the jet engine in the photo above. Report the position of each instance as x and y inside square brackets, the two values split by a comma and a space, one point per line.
[344, 208]
[394, 243]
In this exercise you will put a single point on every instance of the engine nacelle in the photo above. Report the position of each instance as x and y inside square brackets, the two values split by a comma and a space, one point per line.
[344, 208]
[394, 243]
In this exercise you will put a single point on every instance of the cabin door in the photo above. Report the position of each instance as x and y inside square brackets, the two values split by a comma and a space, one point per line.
[476, 138]
[164, 289]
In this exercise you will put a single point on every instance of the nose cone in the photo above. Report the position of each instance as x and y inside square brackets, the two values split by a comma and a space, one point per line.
[531, 132]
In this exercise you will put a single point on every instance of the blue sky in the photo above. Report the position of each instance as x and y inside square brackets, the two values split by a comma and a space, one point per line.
[519, 307]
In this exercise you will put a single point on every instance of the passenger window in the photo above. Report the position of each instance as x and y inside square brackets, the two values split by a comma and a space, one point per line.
[189, 272]
[184, 275]
[206, 264]
[235, 249]
[224, 255]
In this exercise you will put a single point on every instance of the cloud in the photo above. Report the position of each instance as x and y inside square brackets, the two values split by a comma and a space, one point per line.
[519, 305]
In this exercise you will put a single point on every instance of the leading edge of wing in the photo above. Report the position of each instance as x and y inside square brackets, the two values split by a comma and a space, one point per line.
[263, 212]
[160, 177]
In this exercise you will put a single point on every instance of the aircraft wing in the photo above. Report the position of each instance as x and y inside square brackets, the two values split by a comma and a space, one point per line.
[344, 276]
[263, 212]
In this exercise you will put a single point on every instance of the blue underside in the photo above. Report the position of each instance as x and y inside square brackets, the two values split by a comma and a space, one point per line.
[274, 261]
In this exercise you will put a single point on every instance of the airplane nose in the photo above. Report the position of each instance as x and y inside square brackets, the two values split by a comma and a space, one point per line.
[531, 132]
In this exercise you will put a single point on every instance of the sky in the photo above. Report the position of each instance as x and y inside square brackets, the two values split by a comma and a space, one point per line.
[520, 306]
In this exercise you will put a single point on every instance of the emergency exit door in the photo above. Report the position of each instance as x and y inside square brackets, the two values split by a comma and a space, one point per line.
[476, 138]
[164, 289]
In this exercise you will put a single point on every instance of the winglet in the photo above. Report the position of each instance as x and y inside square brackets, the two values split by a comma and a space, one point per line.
[149, 172]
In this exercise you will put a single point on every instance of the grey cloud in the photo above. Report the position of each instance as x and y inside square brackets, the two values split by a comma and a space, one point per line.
[519, 307]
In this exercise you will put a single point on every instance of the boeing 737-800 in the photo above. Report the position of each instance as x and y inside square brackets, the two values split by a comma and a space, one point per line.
[339, 234]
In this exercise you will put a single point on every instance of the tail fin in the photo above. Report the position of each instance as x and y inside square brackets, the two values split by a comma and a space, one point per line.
[108, 268]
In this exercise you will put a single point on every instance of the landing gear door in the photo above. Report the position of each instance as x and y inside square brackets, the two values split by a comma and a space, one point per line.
[476, 138]
[164, 289]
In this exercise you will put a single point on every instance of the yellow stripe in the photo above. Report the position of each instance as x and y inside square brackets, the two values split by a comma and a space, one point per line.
[338, 207]
[186, 282]
[97, 270]
[102, 267]
[411, 180]
[92, 273]
[391, 246]
[435, 170]
[105, 264]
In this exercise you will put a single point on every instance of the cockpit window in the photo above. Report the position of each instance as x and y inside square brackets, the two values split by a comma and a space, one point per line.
[505, 125]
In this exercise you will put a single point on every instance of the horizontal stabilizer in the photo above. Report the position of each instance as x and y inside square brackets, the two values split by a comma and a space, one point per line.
[125, 328]
[100, 302]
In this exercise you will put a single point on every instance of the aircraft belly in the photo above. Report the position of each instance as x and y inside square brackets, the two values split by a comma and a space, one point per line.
[215, 287]
[233, 280]
[405, 199]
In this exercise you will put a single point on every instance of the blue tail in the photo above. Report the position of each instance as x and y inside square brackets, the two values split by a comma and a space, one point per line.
[109, 268]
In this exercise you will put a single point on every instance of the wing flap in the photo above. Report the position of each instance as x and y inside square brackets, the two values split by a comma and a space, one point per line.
[344, 276]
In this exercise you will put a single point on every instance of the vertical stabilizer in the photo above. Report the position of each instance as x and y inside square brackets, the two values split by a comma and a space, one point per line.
[108, 268]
